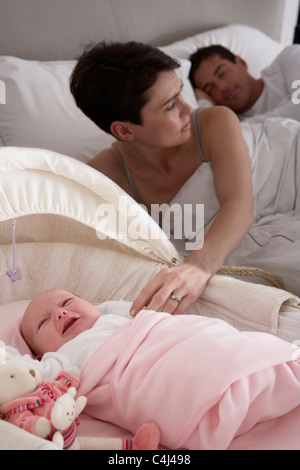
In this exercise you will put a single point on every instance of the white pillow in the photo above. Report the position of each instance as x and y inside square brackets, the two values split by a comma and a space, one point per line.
[40, 110]
[254, 46]
[187, 91]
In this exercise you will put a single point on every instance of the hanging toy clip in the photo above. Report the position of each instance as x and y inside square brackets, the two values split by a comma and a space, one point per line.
[15, 274]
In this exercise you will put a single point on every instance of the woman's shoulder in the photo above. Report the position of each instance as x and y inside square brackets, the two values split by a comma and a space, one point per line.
[102, 159]
[106, 163]
[218, 119]
[213, 113]
[218, 125]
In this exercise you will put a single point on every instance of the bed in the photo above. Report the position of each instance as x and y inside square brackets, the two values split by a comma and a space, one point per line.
[49, 197]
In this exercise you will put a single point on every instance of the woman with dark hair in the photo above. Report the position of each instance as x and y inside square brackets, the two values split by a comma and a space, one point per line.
[132, 91]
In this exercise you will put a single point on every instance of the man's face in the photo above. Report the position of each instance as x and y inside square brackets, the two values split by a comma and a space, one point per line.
[227, 83]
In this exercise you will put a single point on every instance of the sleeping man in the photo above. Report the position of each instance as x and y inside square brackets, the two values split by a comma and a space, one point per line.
[203, 382]
[222, 78]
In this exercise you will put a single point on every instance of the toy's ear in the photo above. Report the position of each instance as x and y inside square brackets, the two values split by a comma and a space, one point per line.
[72, 392]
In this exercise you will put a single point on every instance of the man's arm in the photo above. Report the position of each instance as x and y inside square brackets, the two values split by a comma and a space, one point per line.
[287, 68]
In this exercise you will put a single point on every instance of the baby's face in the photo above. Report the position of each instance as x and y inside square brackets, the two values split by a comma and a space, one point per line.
[55, 317]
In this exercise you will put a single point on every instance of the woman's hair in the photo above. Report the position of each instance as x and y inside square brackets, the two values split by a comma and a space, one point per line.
[206, 53]
[110, 80]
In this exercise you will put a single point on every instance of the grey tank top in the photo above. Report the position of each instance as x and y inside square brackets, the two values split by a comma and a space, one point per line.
[116, 154]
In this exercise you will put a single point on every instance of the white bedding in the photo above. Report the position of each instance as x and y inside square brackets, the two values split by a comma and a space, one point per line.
[50, 118]
[273, 241]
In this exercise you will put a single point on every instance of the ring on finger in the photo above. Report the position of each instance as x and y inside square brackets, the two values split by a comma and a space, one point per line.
[174, 297]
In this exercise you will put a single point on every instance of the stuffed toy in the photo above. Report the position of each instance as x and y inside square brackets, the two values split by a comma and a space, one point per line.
[26, 400]
[64, 417]
[41, 408]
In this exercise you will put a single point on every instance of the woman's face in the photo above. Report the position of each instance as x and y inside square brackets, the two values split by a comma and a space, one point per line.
[166, 118]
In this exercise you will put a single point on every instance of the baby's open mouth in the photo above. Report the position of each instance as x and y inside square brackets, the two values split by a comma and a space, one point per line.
[68, 324]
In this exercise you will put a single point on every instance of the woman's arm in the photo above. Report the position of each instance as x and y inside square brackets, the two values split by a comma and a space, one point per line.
[224, 147]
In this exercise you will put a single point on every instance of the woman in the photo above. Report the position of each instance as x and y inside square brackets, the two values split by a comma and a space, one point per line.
[132, 91]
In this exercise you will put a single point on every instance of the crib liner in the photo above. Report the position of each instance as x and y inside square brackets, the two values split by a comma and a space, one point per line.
[247, 306]
[95, 274]
[100, 275]
[58, 229]
[37, 181]
[54, 200]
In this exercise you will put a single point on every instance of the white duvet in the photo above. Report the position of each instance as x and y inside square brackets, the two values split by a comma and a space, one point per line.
[273, 243]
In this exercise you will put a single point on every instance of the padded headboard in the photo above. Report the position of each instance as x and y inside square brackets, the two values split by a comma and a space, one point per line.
[58, 29]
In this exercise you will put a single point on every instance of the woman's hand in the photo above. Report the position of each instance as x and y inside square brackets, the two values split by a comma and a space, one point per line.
[184, 282]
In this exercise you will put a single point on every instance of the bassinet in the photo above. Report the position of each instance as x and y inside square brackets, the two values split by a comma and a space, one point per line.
[64, 239]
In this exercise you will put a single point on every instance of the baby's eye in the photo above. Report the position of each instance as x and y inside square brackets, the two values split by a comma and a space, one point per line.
[42, 323]
[65, 302]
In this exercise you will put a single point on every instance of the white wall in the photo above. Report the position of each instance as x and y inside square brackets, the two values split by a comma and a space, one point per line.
[289, 21]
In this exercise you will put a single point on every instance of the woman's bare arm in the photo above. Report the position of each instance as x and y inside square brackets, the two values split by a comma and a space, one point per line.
[224, 147]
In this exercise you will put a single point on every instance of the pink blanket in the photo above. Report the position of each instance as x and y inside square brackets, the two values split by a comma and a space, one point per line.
[204, 383]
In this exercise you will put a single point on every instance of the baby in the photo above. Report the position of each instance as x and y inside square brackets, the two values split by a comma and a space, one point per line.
[180, 371]
[58, 320]
[55, 317]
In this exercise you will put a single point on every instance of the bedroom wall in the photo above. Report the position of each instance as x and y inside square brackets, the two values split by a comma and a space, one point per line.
[51, 30]
[290, 16]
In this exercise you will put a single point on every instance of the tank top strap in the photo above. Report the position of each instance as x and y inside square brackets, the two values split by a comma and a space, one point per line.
[116, 153]
[197, 134]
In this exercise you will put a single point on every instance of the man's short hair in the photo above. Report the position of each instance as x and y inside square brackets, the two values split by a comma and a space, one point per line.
[206, 53]
[110, 80]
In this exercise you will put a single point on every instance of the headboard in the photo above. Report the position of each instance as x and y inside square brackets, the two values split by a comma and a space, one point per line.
[58, 29]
